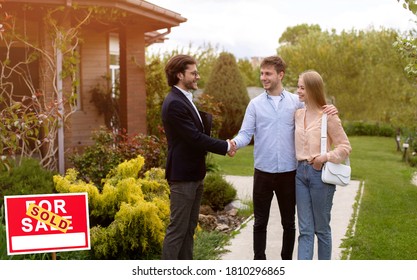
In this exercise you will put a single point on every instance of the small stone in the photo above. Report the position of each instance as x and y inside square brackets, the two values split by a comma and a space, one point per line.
[207, 222]
[232, 212]
[222, 228]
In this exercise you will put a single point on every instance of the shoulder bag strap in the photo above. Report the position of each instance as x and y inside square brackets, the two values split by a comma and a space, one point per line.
[323, 146]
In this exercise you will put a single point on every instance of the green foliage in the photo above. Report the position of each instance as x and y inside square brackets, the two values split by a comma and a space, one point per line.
[360, 128]
[363, 74]
[226, 85]
[242, 162]
[208, 103]
[209, 245]
[152, 148]
[406, 47]
[110, 149]
[387, 216]
[217, 191]
[97, 160]
[20, 126]
[73, 255]
[3, 238]
[156, 90]
[211, 164]
[205, 55]
[292, 34]
[28, 177]
[157, 87]
[130, 215]
[412, 160]
[410, 5]
[406, 44]
[250, 74]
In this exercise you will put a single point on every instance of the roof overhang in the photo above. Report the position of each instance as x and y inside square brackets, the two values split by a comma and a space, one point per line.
[151, 17]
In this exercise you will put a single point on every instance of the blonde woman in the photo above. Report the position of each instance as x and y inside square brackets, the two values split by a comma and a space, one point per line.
[315, 198]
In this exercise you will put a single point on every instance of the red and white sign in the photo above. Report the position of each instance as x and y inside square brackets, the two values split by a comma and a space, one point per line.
[47, 223]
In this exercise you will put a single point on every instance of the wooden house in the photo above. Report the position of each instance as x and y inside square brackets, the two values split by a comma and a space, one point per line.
[112, 43]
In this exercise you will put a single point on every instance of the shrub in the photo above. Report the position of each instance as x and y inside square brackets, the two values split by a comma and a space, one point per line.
[131, 213]
[209, 245]
[111, 149]
[413, 161]
[217, 191]
[208, 103]
[96, 160]
[226, 86]
[360, 128]
[27, 178]
[3, 241]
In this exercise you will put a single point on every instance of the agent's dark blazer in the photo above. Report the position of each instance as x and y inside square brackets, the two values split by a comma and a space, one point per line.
[188, 140]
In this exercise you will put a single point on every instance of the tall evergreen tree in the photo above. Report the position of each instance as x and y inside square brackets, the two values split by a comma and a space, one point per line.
[226, 85]
[156, 90]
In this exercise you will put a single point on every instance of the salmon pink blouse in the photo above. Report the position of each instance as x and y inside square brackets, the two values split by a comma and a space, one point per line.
[307, 139]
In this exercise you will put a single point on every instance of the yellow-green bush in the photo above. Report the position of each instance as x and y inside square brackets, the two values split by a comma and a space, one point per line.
[128, 218]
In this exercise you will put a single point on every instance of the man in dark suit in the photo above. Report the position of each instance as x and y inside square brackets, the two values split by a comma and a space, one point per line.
[188, 134]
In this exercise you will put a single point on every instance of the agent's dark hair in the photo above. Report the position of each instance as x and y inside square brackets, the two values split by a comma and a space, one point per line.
[276, 61]
[177, 64]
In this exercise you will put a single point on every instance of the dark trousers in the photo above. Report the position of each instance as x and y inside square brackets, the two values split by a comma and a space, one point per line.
[185, 201]
[264, 187]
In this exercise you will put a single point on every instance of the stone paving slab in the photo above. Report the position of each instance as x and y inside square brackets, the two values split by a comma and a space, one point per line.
[241, 245]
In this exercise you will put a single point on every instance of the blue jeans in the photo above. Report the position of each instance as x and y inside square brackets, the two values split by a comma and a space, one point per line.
[314, 203]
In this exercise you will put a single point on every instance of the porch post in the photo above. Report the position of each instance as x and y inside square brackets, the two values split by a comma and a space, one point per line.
[61, 161]
[132, 81]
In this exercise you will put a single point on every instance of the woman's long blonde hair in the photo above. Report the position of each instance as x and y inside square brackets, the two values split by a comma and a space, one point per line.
[314, 86]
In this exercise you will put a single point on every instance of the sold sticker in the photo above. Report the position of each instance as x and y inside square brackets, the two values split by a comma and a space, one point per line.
[48, 217]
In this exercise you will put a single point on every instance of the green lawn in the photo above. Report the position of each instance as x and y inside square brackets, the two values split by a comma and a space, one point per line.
[386, 227]
[241, 164]
[387, 220]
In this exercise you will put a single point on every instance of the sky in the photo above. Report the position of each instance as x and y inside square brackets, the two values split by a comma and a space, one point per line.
[249, 28]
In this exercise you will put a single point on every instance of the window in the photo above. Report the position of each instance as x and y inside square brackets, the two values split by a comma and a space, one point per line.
[114, 63]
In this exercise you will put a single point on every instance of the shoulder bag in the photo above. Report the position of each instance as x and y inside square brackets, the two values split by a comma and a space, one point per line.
[333, 173]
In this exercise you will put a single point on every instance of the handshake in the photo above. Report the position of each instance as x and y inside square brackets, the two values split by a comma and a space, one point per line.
[233, 148]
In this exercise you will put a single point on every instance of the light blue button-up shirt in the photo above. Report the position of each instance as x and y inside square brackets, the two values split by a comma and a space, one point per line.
[273, 130]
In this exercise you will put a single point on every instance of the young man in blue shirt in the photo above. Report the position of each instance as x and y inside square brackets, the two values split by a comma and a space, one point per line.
[269, 118]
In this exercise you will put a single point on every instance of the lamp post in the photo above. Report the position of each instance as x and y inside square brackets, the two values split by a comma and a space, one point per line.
[398, 139]
[405, 147]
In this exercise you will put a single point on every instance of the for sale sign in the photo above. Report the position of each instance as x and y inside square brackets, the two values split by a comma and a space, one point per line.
[47, 223]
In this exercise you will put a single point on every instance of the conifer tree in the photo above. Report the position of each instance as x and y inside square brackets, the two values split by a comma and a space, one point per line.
[226, 85]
